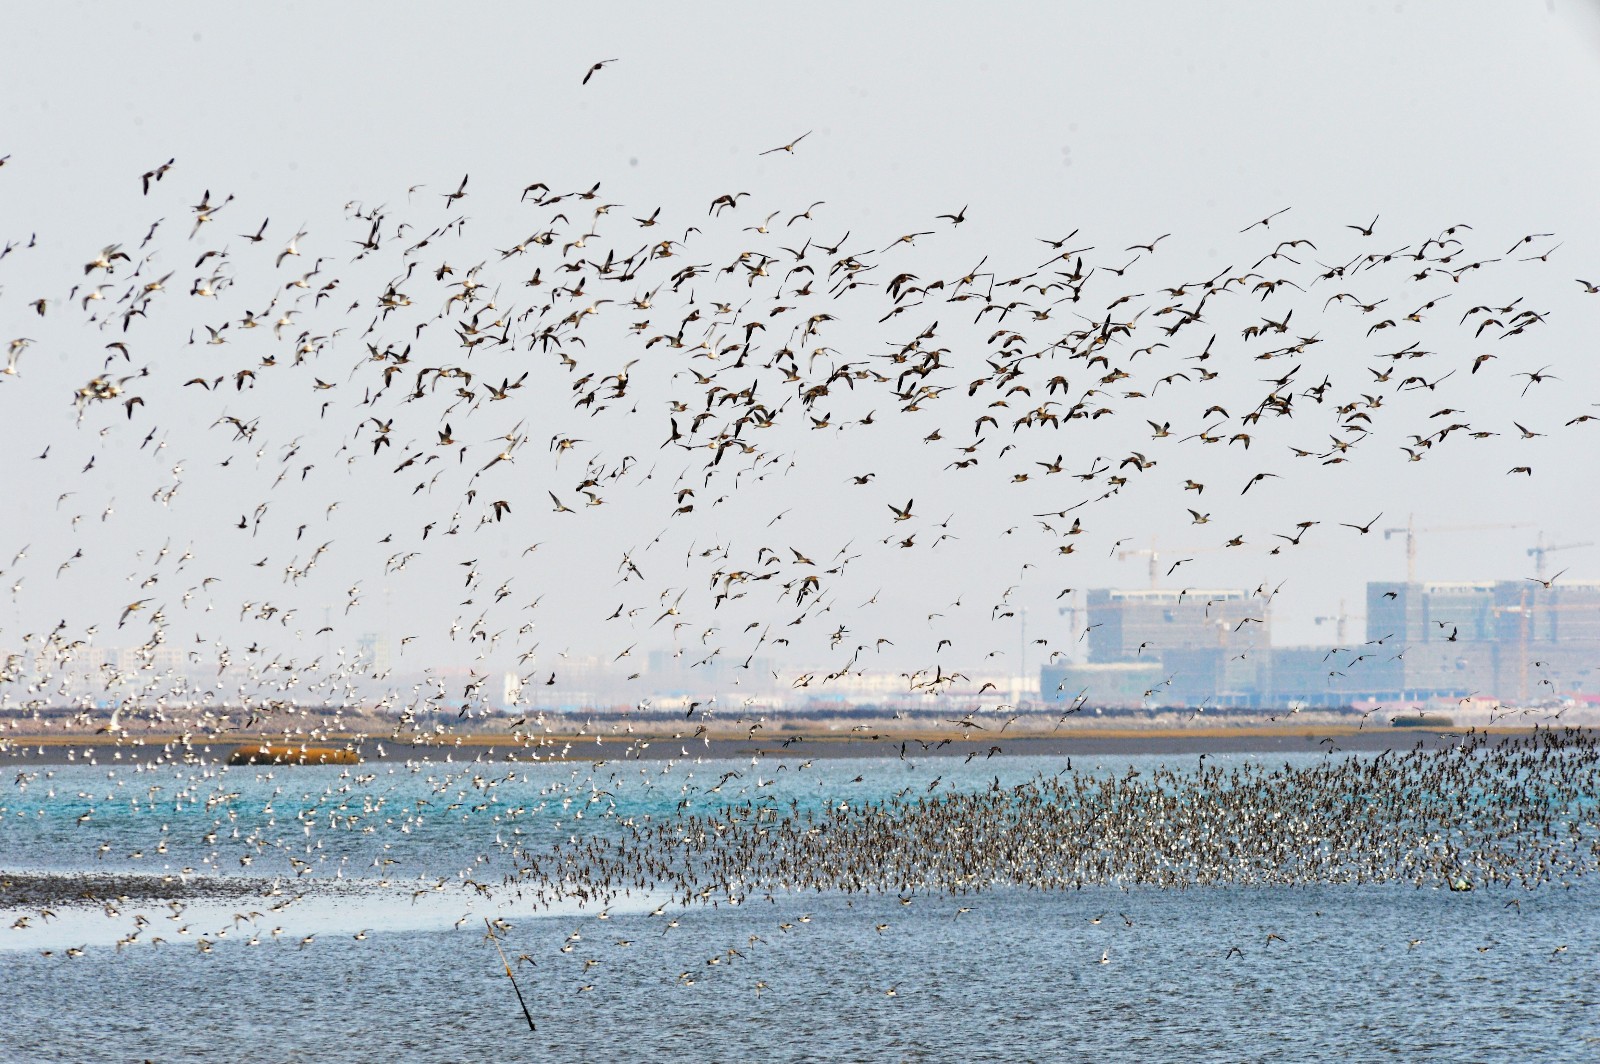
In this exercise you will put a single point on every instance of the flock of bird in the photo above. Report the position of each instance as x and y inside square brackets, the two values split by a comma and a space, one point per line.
[471, 396]
[1482, 813]
[409, 403]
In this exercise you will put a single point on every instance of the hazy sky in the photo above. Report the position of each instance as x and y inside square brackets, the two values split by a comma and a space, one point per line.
[1123, 122]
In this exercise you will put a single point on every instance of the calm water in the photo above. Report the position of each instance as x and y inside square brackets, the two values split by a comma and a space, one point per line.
[1361, 972]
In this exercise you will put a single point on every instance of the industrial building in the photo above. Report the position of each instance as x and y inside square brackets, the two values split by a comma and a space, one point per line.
[1515, 642]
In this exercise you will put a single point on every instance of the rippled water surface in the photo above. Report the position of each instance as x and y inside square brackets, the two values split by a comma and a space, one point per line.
[1360, 972]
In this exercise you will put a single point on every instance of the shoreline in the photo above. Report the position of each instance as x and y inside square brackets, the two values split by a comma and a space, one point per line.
[656, 745]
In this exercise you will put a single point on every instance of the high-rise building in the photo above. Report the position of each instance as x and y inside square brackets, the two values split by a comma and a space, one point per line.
[1547, 639]
[372, 653]
[1166, 646]
[1129, 625]
[1513, 641]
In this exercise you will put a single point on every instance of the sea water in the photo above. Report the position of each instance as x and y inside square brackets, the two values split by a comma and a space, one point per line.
[356, 932]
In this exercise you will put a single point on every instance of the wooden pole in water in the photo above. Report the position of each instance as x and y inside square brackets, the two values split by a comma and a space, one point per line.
[492, 937]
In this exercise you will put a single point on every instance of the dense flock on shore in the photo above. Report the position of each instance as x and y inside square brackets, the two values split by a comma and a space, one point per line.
[1514, 813]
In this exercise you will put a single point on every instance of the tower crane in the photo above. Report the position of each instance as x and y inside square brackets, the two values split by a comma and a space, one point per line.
[1411, 530]
[1338, 621]
[1155, 560]
[1539, 550]
[1155, 557]
[1527, 611]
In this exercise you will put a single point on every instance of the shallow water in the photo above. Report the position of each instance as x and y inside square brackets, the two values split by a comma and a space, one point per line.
[1019, 977]
[1365, 972]
[434, 818]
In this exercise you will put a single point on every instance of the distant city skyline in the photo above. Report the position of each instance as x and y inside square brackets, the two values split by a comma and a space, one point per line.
[1510, 641]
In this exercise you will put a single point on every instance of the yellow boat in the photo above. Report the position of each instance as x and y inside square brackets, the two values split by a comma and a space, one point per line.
[288, 754]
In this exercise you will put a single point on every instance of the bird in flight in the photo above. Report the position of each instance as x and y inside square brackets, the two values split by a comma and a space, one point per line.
[151, 176]
[1265, 222]
[1365, 230]
[789, 147]
[594, 70]
[1549, 584]
[139, 605]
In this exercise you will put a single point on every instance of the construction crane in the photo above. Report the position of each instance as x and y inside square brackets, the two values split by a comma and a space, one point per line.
[1522, 613]
[1155, 561]
[1526, 611]
[1411, 530]
[1539, 550]
[1022, 658]
[1155, 558]
[1338, 621]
